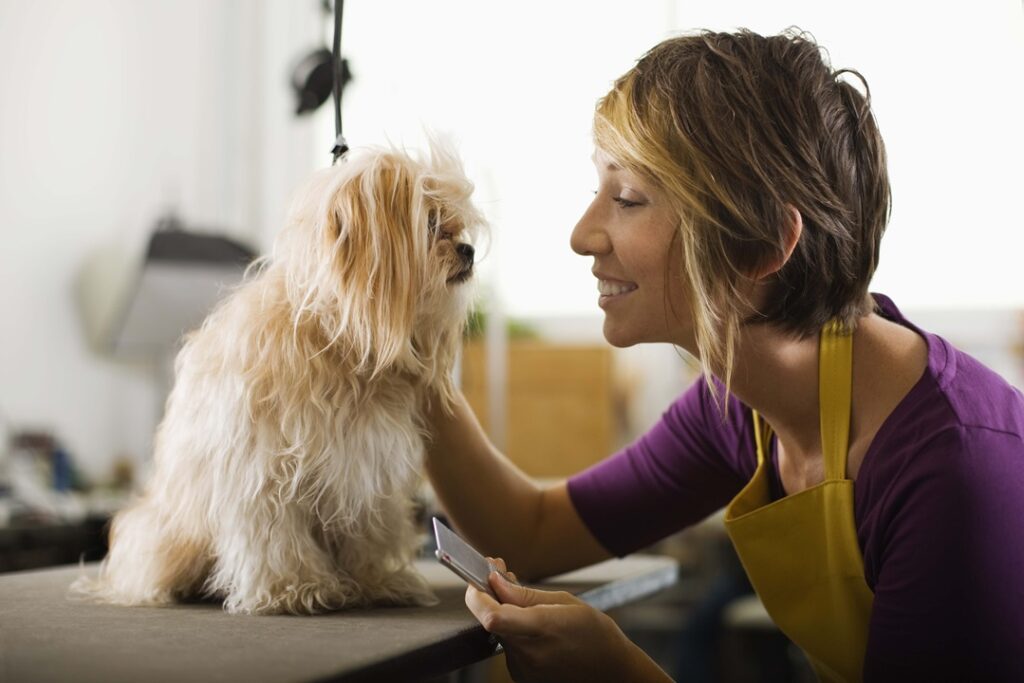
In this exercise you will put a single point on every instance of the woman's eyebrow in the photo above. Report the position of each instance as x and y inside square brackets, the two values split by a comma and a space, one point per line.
[610, 165]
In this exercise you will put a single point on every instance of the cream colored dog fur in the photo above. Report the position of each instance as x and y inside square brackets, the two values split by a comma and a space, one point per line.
[292, 443]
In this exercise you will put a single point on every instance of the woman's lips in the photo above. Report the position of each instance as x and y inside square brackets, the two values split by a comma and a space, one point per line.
[611, 290]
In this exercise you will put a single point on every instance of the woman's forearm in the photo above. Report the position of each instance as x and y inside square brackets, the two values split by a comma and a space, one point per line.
[491, 501]
[643, 668]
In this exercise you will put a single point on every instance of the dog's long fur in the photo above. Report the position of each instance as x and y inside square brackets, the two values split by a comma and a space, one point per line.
[292, 442]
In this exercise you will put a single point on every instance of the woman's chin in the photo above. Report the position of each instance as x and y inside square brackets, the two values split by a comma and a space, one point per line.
[624, 336]
[617, 337]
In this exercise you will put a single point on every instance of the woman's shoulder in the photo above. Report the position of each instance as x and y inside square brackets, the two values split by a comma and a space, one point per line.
[941, 477]
[955, 440]
[957, 391]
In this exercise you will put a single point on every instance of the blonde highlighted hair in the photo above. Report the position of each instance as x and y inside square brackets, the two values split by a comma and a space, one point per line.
[736, 128]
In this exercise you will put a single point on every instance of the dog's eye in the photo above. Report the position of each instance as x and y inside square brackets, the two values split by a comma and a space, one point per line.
[432, 225]
[437, 231]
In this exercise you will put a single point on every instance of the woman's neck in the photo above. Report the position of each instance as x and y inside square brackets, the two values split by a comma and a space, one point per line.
[777, 376]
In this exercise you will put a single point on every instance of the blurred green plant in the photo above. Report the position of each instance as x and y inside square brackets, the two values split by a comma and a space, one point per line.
[515, 329]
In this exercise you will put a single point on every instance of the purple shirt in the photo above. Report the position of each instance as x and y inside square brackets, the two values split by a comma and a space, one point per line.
[938, 504]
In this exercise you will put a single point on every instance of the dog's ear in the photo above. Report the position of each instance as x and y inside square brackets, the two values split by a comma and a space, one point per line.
[377, 237]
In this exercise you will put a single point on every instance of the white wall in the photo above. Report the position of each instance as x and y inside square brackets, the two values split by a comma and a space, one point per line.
[110, 112]
[515, 83]
[946, 82]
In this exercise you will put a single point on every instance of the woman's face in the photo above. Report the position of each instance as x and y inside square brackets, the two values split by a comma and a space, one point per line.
[630, 230]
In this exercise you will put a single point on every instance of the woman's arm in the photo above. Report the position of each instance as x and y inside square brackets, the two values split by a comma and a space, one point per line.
[497, 507]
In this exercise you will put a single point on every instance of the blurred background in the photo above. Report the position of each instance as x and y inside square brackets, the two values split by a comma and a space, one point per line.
[149, 148]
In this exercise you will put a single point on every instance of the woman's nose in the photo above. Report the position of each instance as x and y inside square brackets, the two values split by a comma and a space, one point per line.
[588, 237]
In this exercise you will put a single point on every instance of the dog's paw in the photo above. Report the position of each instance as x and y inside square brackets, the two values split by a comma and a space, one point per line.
[404, 587]
[303, 598]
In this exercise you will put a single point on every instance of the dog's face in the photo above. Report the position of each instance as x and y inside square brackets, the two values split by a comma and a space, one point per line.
[378, 251]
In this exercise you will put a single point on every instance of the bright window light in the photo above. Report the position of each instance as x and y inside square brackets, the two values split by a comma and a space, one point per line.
[516, 84]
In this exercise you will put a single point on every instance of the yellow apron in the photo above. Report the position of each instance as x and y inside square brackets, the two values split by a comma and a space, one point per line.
[801, 552]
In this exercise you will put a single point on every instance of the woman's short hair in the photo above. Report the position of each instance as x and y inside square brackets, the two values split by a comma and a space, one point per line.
[736, 128]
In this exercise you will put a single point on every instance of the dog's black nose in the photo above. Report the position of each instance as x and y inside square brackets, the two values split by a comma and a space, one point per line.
[465, 251]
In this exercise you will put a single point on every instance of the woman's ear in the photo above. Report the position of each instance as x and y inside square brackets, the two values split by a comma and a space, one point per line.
[793, 229]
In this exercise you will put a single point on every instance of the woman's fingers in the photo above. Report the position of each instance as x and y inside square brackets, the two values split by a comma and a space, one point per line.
[516, 594]
[498, 564]
[502, 620]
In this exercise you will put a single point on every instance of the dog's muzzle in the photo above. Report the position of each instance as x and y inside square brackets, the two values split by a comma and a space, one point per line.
[465, 252]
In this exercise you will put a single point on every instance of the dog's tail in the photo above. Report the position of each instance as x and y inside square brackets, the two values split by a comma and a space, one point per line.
[147, 564]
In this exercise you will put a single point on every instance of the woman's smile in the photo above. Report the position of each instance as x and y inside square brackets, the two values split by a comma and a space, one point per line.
[610, 290]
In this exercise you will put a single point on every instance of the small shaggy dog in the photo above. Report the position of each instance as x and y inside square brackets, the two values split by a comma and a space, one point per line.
[285, 465]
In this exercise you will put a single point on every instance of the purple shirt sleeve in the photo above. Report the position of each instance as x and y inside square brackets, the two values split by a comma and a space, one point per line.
[673, 476]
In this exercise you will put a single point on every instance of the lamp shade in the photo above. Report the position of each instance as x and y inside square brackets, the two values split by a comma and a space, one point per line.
[140, 307]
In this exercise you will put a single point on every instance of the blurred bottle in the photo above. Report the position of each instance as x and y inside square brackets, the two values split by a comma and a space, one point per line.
[5, 471]
[62, 473]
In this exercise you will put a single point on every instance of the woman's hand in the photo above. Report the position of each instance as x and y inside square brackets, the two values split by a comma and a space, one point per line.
[554, 636]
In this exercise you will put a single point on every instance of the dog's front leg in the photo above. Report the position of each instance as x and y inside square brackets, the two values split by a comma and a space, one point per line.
[379, 554]
[269, 561]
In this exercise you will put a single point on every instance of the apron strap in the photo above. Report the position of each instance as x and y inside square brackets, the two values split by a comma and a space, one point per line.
[835, 365]
[762, 435]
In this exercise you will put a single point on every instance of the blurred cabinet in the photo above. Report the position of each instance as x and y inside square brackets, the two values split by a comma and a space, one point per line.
[32, 545]
[559, 404]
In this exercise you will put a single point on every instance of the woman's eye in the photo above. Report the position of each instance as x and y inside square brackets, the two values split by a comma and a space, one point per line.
[625, 203]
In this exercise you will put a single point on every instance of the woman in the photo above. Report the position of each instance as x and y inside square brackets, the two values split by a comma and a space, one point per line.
[872, 474]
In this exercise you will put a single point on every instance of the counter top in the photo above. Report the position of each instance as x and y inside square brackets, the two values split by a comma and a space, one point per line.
[44, 636]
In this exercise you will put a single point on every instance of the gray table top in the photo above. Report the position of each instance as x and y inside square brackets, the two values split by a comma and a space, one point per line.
[46, 637]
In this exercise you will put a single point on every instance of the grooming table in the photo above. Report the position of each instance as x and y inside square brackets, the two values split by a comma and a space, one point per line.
[46, 637]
